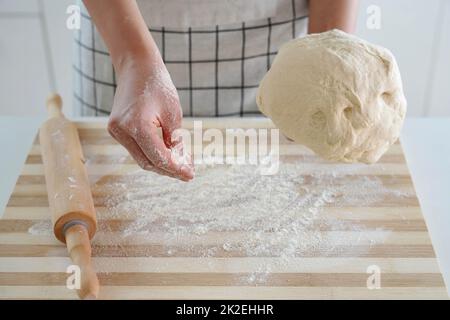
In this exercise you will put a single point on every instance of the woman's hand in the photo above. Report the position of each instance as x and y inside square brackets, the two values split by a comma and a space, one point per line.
[146, 100]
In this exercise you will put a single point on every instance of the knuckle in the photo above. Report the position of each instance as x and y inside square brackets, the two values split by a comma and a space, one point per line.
[113, 127]
[143, 165]
[158, 163]
[132, 131]
[135, 128]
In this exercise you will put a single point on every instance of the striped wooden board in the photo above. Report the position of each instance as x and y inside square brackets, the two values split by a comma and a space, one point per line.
[33, 265]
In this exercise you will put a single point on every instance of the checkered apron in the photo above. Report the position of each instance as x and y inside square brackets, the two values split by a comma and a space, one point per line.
[216, 52]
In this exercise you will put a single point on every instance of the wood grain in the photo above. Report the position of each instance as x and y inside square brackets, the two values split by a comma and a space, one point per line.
[32, 266]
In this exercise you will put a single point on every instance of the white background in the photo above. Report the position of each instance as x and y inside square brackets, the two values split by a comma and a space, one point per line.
[36, 47]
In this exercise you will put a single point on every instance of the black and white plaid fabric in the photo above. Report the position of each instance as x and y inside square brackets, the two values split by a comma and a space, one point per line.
[216, 70]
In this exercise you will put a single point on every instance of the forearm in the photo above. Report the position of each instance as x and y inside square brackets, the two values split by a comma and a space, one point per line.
[325, 15]
[123, 29]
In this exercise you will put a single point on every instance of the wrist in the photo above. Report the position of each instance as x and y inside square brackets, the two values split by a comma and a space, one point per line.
[136, 57]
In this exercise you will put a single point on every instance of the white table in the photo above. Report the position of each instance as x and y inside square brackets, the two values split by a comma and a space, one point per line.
[426, 143]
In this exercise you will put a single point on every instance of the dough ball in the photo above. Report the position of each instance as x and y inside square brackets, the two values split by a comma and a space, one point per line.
[337, 94]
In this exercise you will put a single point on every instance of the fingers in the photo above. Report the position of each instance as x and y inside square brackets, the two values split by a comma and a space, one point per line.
[162, 172]
[158, 153]
[169, 123]
[125, 140]
[173, 138]
[135, 151]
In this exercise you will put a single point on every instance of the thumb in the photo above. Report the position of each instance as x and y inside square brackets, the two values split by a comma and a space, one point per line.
[174, 138]
[169, 125]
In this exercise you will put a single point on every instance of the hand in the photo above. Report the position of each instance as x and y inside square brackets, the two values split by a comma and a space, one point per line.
[146, 100]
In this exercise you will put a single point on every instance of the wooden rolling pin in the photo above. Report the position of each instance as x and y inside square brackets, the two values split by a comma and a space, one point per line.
[69, 194]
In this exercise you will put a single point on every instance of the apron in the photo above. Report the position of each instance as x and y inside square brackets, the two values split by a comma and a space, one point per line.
[216, 52]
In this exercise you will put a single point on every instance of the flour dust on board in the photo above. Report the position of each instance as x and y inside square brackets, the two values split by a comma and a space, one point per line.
[233, 211]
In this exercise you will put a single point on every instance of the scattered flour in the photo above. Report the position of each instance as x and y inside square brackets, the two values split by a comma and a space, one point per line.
[41, 228]
[272, 216]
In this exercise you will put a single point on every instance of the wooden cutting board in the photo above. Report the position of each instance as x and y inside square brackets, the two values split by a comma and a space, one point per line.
[33, 264]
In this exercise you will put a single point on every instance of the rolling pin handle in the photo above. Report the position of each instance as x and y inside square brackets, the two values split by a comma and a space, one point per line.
[79, 247]
[72, 223]
[54, 106]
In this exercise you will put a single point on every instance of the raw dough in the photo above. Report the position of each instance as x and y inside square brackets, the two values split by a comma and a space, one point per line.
[337, 94]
